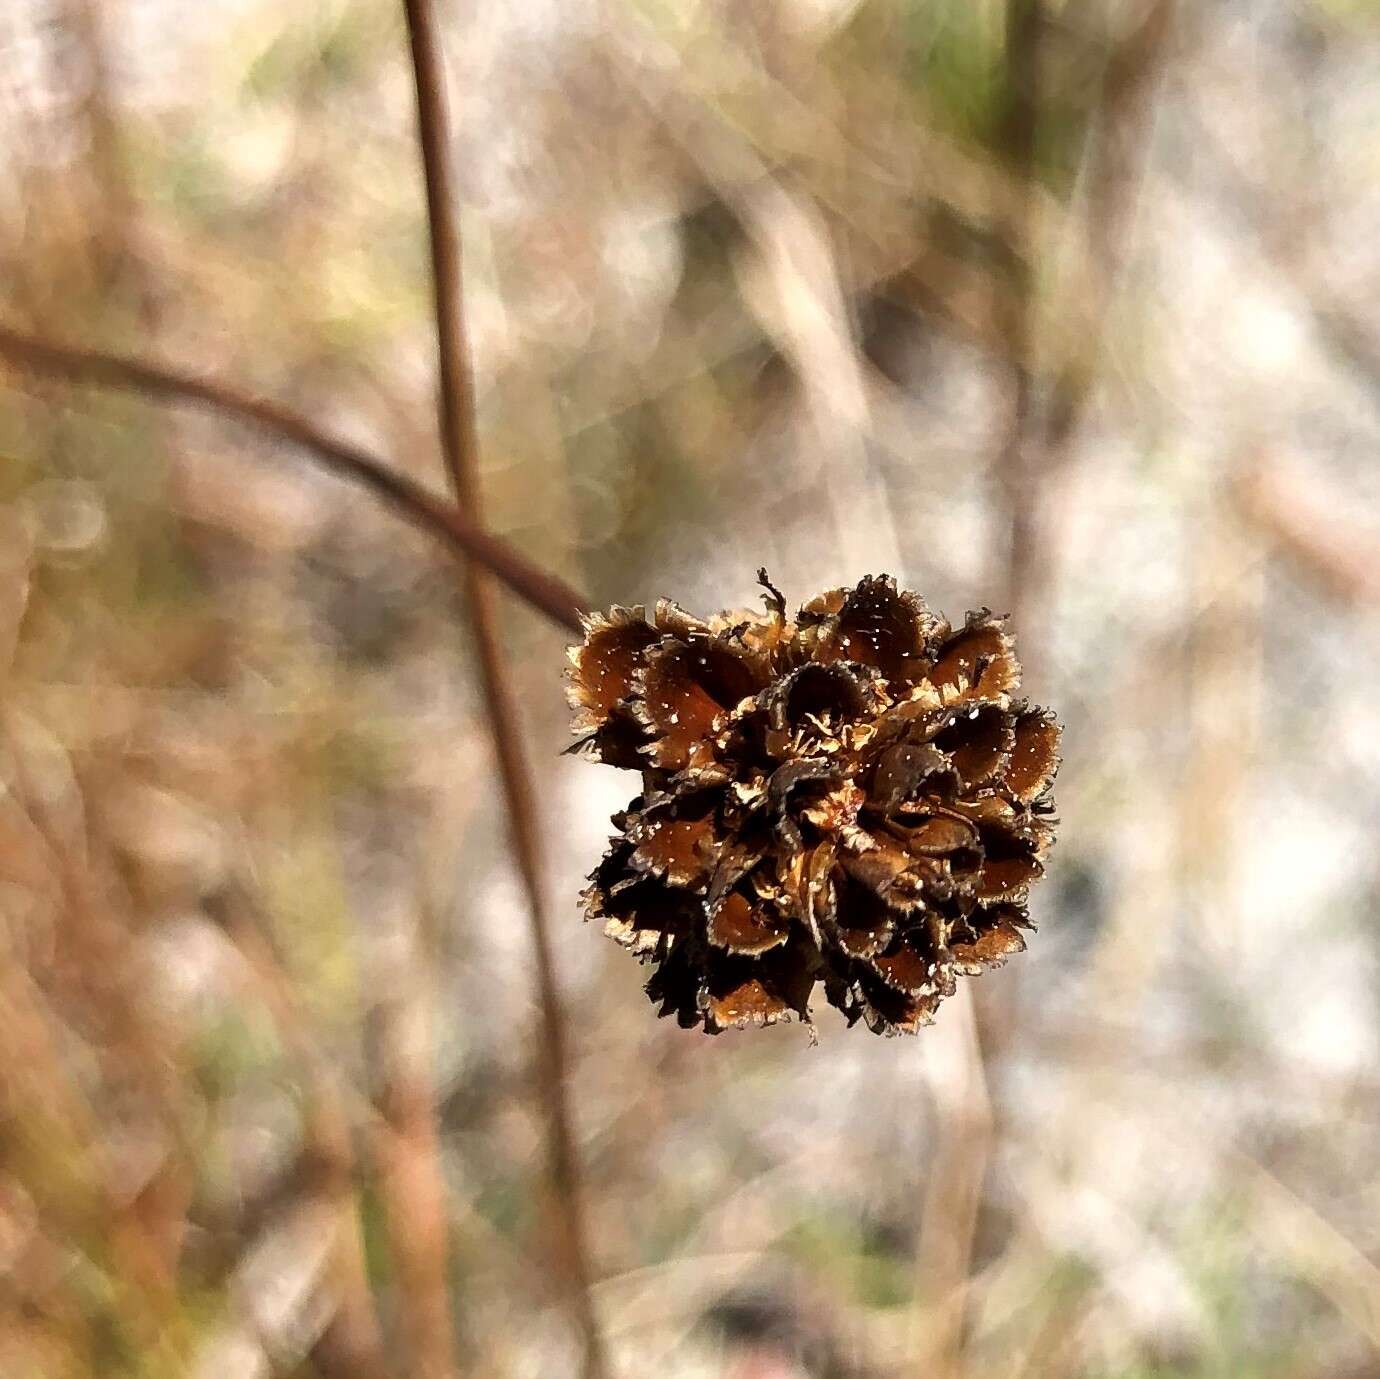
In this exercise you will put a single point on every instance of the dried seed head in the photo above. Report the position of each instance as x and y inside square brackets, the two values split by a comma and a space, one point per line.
[851, 798]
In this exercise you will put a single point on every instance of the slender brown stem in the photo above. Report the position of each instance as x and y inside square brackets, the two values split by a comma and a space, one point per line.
[969, 1120]
[1037, 446]
[460, 531]
[1116, 166]
[460, 445]
[1016, 464]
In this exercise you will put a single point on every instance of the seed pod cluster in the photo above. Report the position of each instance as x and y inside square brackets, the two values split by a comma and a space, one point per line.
[849, 798]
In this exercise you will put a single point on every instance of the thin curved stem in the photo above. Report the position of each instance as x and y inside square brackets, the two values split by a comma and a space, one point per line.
[460, 531]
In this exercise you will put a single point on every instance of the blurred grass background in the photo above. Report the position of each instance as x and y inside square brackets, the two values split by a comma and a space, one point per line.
[1069, 309]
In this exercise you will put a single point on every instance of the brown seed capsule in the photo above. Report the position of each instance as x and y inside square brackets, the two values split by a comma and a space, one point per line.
[849, 798]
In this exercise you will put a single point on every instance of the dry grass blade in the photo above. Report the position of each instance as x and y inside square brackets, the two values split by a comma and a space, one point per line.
[352, 1335]
[957, 1171]
[15, 560]
[1310, 533]
[408, 1151]
[1290, 1229]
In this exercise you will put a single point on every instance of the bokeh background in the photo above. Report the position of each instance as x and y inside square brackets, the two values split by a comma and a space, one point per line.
[1065, 308]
